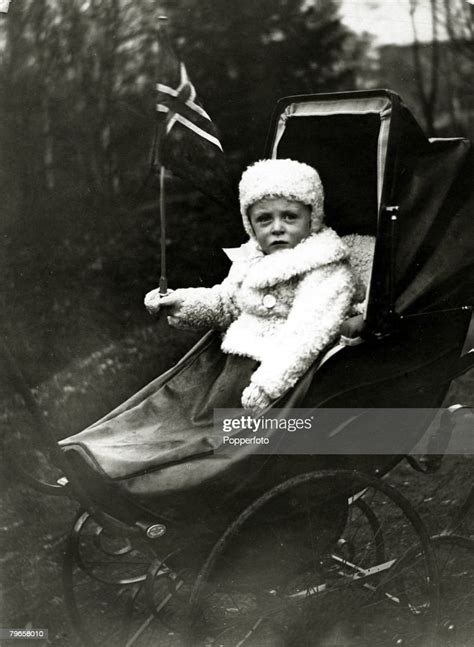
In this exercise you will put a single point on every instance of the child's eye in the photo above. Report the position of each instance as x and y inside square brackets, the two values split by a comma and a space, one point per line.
[289, 215]
[263, 218]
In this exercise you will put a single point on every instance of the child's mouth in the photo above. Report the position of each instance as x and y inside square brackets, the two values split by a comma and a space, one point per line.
[277, 243]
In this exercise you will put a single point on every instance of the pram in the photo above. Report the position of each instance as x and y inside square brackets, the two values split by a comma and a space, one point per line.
[187, 545]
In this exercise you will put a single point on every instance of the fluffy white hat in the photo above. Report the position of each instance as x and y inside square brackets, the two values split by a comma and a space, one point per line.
[282, 178]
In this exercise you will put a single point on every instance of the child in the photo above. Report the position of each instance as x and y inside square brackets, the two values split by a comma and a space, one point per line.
[289, 288]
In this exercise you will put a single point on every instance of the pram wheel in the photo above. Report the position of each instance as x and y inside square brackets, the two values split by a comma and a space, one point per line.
[455, 561]
[119, 592]
[277, 577]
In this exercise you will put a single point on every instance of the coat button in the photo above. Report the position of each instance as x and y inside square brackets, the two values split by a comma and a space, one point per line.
[269, 301]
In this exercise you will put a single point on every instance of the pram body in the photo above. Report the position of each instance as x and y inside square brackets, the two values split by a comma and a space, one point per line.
[199, 506]
[383, 178]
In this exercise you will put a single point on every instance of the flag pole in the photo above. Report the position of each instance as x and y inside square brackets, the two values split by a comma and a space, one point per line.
[162, 21]
[163, 279]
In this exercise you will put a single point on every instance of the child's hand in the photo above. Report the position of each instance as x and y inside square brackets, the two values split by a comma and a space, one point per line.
[154, 300]
[255, 400]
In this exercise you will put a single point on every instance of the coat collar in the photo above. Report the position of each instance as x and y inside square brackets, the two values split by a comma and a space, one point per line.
[263, 270]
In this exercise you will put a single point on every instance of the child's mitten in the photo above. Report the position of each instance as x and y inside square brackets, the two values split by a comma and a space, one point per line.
[255, 399]
[154, 300]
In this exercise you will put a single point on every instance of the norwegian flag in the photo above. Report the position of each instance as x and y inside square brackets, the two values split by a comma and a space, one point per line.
[180, 106]
[188, 143]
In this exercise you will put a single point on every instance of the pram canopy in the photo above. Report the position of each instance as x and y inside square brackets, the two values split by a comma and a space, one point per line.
[383, 177]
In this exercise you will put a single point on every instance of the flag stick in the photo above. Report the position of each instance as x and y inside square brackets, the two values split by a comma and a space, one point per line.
[163, 279]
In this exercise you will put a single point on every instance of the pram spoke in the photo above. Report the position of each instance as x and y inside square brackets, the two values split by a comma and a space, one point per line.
[455, 560]
[282, 574]
[118, 592]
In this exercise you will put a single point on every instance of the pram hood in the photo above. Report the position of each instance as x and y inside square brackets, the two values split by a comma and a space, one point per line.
[383, 177]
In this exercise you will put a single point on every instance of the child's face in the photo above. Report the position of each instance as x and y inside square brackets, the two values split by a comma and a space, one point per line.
[279, 223]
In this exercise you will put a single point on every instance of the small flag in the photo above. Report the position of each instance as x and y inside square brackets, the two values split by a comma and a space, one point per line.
[180, 106]
[188, 142]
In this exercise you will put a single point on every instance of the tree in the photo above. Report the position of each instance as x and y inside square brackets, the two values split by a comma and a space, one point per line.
[71, 73]
[435, 76]
[244, 56]
[459, 22]
[448, 62]
[427, 84]
[80, 75]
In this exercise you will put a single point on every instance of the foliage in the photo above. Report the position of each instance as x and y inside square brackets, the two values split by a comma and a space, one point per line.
[72, 93]
[244, 57]
[435, 77]
[80, 75]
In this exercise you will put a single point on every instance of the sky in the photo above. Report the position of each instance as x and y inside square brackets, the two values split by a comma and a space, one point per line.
[388, 20]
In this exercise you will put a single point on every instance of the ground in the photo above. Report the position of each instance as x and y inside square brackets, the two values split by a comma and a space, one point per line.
[34, 526]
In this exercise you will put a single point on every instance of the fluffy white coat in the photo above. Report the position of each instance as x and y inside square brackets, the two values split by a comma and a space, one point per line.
[282, 309]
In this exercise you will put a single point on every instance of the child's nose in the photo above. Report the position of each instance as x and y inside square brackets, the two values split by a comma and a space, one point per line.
[277, 225]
